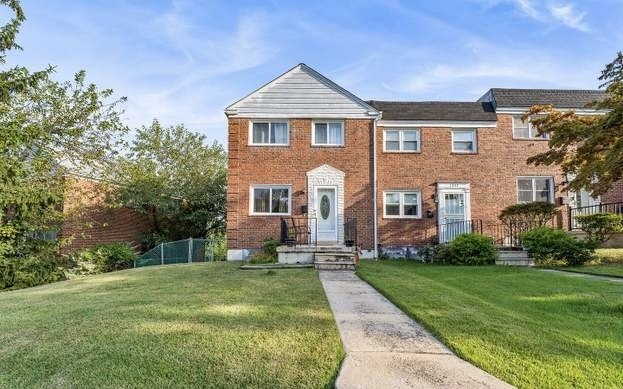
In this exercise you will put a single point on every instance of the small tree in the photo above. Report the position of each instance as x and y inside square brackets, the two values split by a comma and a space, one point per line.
[600, 226]
[533, 214]
[171, 174]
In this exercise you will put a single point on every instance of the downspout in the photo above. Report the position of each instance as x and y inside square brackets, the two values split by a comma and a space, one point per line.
[374, 195]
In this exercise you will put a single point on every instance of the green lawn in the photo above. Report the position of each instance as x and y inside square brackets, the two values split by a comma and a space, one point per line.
[612, 269]
[530, 328]
[176, 326]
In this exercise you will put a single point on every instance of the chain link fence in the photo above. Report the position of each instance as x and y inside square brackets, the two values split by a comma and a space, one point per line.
[182, 251]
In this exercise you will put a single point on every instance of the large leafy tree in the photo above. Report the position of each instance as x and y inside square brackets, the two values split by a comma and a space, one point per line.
[588, 148]
[173, 175]
[47, 128]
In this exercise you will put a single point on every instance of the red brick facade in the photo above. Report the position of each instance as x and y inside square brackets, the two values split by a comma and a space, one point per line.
[288, 165]
[91, 221]
[491, 172]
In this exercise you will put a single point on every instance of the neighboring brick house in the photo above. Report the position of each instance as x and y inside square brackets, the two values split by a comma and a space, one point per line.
[90, 219]
[302, 146]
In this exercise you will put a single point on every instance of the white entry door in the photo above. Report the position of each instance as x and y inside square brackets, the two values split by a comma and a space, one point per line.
[454, 212]
[326, 215]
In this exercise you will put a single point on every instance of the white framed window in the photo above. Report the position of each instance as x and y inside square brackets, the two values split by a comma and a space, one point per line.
[270, 200]
[525, 130]
[269, 133]
[328, 133]
[537, 188]
[464, 141]
[405, 204]
[401, 140]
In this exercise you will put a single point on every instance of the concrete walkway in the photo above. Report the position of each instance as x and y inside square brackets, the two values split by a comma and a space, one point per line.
[584, 275]
[387, 349]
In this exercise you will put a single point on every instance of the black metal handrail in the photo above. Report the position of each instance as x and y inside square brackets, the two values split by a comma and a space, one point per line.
[591, 210]
[448, 231]
[350, 232]
[296, 231]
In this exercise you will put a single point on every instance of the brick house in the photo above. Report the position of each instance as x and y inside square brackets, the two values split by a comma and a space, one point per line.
[90, 219]
[303, 147]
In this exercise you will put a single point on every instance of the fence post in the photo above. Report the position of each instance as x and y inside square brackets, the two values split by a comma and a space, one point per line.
[162, 253]
[190, 249]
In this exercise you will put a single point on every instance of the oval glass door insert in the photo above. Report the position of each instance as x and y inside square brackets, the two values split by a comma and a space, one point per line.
[325, 207]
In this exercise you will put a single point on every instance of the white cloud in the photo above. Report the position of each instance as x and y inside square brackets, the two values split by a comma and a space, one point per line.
[569, 16]
[548, 12]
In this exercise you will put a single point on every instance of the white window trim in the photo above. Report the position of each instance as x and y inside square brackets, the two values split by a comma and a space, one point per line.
[474, 140]
[551, 187]
[401, 140]
[530, 127]
[269, 121]
[401, 205]
[313, 133]
[271, 186]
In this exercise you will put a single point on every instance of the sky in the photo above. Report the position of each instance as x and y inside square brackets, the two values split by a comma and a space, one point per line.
[184, 61]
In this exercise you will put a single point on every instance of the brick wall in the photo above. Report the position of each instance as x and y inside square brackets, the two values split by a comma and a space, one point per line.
[492, 174]
[614, 195]
[90, 220]
[249, 165]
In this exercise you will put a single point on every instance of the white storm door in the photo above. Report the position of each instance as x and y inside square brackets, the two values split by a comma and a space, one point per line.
[326, 215]
[452, 216]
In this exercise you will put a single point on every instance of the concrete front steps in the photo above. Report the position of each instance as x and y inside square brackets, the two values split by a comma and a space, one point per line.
[323, 257]
[514, 258]
[335, 258]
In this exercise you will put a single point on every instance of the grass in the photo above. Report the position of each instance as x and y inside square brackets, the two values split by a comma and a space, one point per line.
[530, 328]
[176, 326]
[611, 269]
[609, 262]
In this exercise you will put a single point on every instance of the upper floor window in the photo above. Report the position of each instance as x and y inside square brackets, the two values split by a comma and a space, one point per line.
[270, 133]
[535, 189]
[270, 200]
[464, 141]
[406, 141]
[328, 134]
[525, 130]
[402, 204]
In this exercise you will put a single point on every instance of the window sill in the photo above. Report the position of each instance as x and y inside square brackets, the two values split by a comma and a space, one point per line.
[267, 145]
[464, 153]
[329, 146]
[270, 214]
[401, 152]
[531, 139]
[402, 217]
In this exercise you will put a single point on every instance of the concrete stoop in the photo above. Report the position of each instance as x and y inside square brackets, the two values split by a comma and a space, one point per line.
[335, 258]
[514, 258]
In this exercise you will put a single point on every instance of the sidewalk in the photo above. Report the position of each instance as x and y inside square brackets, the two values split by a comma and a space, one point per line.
[387, 349]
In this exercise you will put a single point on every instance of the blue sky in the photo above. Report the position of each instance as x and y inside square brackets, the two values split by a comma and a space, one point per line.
[185, 61]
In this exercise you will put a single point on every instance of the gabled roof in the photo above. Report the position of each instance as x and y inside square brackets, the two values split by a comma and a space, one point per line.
[301, 92]
[559, 98]
[435, 110]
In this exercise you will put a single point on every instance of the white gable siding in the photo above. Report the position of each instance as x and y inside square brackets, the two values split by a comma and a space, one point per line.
[300, 94]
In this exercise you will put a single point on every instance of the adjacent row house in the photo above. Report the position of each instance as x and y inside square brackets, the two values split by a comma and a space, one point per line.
[303, 147]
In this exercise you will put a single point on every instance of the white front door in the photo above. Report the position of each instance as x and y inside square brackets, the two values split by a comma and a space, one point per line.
[326, 215]
[454, 212]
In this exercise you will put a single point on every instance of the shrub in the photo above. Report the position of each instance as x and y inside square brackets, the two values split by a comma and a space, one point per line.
[109, 257]
[467, 249]
[30, 271]
[600, 226]
[268, 254]
[536, 213]
[548, 246]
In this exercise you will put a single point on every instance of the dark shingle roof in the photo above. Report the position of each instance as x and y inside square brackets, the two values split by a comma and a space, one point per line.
[435, 110]
[559, 98]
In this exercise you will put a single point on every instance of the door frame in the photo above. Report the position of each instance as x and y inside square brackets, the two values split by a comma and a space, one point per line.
[335, 210]
[444, 188]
